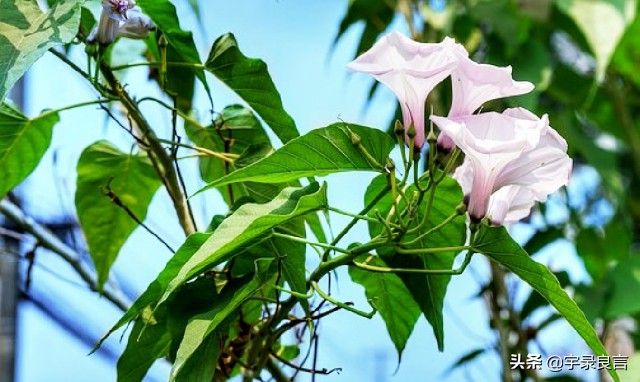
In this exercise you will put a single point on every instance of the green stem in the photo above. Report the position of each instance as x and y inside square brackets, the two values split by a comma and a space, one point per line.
[159, 63]
[341, 304]
[421, 251]
[356, 216]
[296, 294]
[457, 271]
[79, 70]
[305, 241]
[74, 106]
[182, 114]
[460, 210]
[159, 157]
[202, 150]
[354, 221]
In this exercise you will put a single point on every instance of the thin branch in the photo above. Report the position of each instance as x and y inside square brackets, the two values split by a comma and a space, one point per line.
[304, 369]
[108, 192]
[161, 160]
[48, 240]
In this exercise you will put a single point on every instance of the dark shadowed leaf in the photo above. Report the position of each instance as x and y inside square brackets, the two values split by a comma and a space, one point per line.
[147, 342]
[230, 299]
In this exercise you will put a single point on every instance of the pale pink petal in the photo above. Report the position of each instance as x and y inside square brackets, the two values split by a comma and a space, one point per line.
[105, 31]
[511, 204]
[474, 84]
[503, 151]
[410, 70]
[137, 26]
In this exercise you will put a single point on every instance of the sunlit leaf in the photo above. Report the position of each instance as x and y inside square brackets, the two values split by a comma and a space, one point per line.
[495, 243]
[132, 180]
[388, 294]
[26, 33]
[320, 152]
[250, 79]
[24, 142]
[246, 226]
[603, 23]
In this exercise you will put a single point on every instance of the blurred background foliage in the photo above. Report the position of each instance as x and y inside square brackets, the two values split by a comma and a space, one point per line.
[584, 58]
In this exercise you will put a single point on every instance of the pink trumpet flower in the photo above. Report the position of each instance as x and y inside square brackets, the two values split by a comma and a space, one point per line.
[513, 160]
[474, 84]
[411, 70]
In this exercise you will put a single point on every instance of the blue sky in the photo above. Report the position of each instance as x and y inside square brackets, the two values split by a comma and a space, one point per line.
[296, 39]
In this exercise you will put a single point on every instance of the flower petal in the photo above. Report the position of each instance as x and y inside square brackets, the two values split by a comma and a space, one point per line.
[410, 70]
[474, 84]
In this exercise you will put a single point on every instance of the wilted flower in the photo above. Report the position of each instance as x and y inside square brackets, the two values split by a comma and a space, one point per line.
[117, 9]
[474, 84]
[411, 70]
[512, 160]
[137, 25]
[121, 18]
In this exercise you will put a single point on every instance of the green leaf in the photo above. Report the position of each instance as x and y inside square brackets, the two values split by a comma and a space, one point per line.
[290, 254]
[164, 16]
[191, 300]
[201, 365]
[231, 298]
[180, 81]
[156, 288]
[388, 294]
[542, 238]
[603, 23]
[26, 33]
[320, 152]
[23, 144]
[376, 15]
[234, 131]
[106, 225]
[427, 290]
[535, 300]
[495, 243]
[625, 286]
[627, 55]
[250, 79]
[147, 342]
[87, 22]
[247, 225]
[466, 358]
[600, 250]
